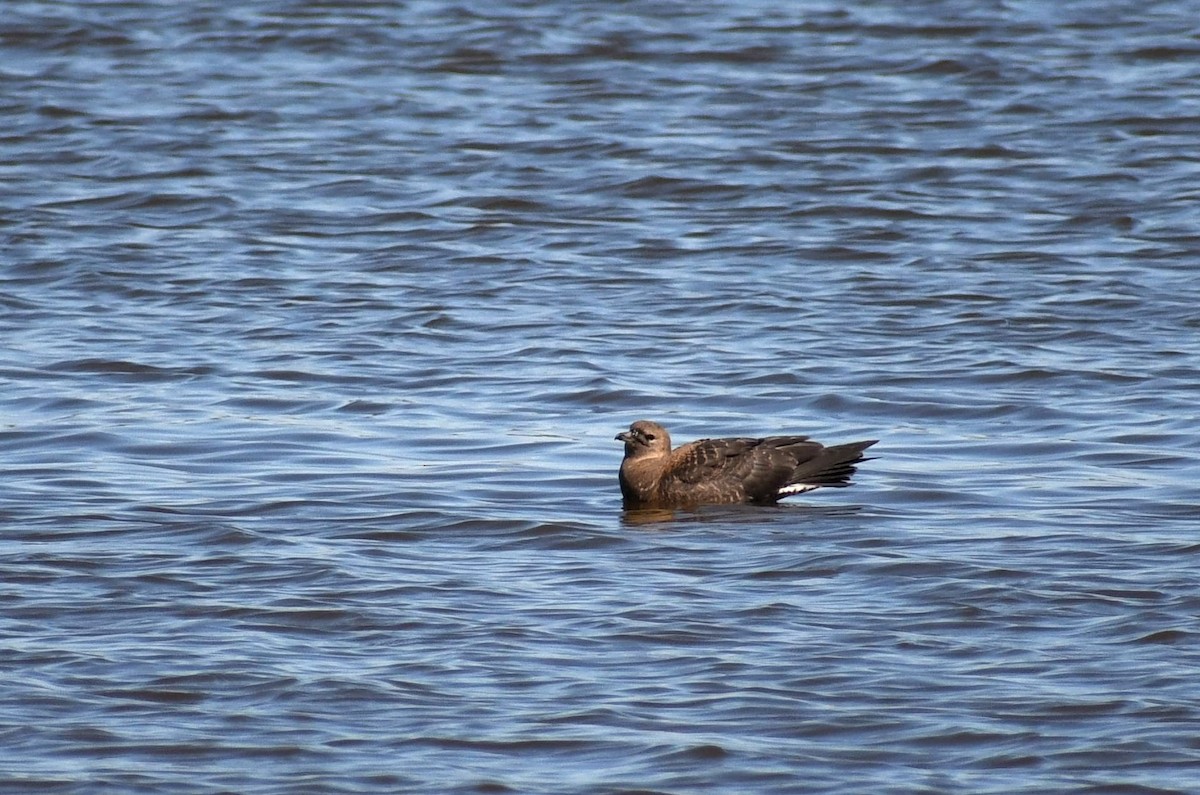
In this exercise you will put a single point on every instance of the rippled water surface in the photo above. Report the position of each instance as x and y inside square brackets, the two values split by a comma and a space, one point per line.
[317, 321]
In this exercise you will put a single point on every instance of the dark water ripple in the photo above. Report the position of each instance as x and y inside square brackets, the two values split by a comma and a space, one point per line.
[317, 321]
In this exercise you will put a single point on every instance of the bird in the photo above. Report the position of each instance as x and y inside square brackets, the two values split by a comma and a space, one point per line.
[724, 471]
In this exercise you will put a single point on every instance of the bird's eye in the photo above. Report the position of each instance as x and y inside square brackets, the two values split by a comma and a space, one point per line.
[649, 437]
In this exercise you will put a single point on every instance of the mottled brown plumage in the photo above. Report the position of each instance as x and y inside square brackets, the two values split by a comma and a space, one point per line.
[728, 470]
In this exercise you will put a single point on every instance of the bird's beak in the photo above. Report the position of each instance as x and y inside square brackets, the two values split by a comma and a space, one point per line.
[623, 436]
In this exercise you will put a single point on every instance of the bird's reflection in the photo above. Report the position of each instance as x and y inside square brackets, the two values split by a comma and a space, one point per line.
[648, 518]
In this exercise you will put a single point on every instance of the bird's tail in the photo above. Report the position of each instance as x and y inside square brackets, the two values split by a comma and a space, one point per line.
[833, 466]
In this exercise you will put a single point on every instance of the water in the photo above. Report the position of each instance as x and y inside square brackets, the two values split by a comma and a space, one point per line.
[317, 324]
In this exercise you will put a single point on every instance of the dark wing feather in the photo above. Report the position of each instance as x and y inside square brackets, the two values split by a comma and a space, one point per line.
[754, 470]
[732, 470]
[706, 460]
[785, 454]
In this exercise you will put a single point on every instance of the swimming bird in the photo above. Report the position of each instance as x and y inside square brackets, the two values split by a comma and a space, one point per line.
[710, 471]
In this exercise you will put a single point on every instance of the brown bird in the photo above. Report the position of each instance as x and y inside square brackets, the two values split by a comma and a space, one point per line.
[709, 471]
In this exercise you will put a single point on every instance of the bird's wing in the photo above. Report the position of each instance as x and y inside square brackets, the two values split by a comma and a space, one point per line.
[709, 459]
[756, 467]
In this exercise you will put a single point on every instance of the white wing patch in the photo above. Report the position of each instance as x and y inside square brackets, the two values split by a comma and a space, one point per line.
[796, 488]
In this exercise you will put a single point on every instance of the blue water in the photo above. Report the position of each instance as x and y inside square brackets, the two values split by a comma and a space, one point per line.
[317, 322]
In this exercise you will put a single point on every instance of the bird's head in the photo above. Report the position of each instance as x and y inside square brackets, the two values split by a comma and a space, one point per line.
[645, 438]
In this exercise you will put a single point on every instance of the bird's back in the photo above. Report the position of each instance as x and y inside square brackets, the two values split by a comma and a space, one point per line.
[735, 470]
